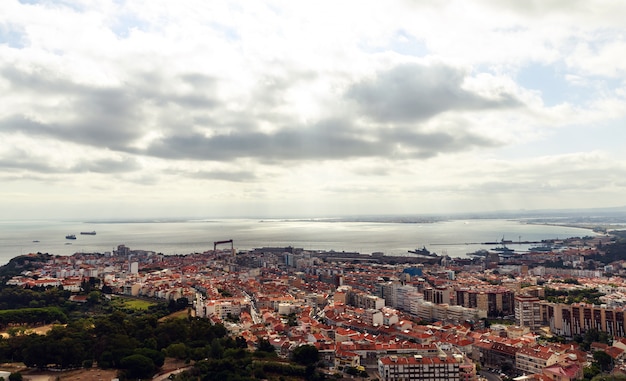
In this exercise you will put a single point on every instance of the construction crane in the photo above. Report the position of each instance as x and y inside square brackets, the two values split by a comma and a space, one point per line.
[223, 242]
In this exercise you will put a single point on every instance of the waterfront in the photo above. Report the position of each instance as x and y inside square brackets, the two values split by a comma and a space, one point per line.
[183, 237]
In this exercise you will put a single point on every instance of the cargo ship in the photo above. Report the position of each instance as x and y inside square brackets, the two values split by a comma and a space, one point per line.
[88, 233]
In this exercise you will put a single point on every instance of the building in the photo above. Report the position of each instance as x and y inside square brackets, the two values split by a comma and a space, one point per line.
[575, 319]
[564, 372]
[494, 354]
[403, 296]
[496, 301]
[418, 367]
[365, 301]
[437, 295]
[373, 317]
[528, 311]
[387, 291]
[534, 360]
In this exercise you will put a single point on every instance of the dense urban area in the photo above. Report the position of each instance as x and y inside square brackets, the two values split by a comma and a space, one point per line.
[555, 312]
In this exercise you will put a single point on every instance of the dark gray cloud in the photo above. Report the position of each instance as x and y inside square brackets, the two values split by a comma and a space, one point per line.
[194, 126]
[105, 117]
[412, 93]
[329, 140]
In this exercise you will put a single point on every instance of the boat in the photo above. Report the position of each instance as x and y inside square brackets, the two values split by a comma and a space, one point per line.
[70, 236]
[540, 249]
[547, 247]
[478, 253]
[422, 256]
[423, 251]
[503, 249]
[88, 233]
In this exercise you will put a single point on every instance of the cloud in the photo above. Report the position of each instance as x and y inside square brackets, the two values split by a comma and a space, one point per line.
[232, 176]
[16, 159]
[114, 117]
[410, 101]
[326, 140]
[414, 92]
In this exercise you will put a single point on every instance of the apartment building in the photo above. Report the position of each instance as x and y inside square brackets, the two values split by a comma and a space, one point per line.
[438, 295]
[418, 367]
[496, 301]
[572, 319]
[528, 311]
[534, 360]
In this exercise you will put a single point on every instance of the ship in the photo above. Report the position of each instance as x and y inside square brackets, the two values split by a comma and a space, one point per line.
[503, 249]
[70, 236]
[540, 249]
[88, 233]
[423, 251]
[478, 253]
[422, 256]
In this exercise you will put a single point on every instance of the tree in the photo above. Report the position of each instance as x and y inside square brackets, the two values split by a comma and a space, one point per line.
[182, 303]
[590, 372]
[178, 350]
[93, 297]
[240, 342]
[157, 357]
[292, 320]
[138, 366]
[265, 346]
[15, 376]
[305, 355]
[603, 360]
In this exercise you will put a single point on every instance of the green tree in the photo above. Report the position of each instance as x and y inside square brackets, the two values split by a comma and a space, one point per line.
[241, 342]
[590, 372]
[305, 355]
[178, 350]
[15, 376]
[157, 357]
[182, 303]
[603, 360]
[138, 366]
[265, 346]
[93, 297]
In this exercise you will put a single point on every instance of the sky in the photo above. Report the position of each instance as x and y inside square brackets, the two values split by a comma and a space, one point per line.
[158, 108]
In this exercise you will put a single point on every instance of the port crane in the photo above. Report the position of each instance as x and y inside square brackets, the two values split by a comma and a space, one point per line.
[223, 242]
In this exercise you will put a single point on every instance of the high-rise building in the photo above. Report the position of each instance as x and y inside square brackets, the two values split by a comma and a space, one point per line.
[495, 301]
[528, 311]
[575, 319]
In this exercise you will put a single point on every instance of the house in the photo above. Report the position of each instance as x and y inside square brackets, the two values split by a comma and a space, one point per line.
[564, 372]
[535, 359]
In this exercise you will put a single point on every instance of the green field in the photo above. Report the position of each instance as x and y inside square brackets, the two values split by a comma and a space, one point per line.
[132, 304]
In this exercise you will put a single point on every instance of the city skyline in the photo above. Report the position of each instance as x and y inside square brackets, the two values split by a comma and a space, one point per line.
[136, 109]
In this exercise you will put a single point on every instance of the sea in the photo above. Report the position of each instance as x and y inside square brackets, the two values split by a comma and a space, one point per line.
[455, 238]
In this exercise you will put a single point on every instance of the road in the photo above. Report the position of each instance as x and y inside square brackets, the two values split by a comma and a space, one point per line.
[253, 311]
[162, 377]
[490, 376]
